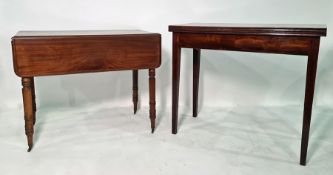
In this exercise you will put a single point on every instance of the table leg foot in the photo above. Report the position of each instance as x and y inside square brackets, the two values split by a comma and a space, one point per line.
[30, 148]
[135, 108]
[174, 131]
[152, 126]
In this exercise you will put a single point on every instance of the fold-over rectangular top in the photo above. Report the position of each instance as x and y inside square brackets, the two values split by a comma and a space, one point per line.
[251, 29]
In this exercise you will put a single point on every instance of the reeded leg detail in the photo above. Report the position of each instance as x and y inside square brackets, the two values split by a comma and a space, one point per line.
[196, 72]
[135, 90]
[152, 103]
[27, 92]
[175, 85]
[34, 99]
[309, 92]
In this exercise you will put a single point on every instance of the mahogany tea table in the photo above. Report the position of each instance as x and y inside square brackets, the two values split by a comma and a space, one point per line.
[279, 39]
[43, 53]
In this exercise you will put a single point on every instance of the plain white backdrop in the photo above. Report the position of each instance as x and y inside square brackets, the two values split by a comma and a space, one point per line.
[227, 79]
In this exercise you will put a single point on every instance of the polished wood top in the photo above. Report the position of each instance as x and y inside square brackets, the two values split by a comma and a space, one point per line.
[69, 33]
[252, 29]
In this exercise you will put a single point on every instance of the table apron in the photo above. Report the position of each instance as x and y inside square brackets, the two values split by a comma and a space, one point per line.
[293, 45]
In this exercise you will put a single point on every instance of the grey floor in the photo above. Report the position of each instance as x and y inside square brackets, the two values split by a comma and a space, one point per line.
[109, 140]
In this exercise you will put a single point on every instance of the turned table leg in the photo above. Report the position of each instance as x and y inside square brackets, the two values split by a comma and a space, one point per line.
[27, 92]
[33, 99]
[152, 103]
[196, 72]
[309, 92]
[135, 90]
